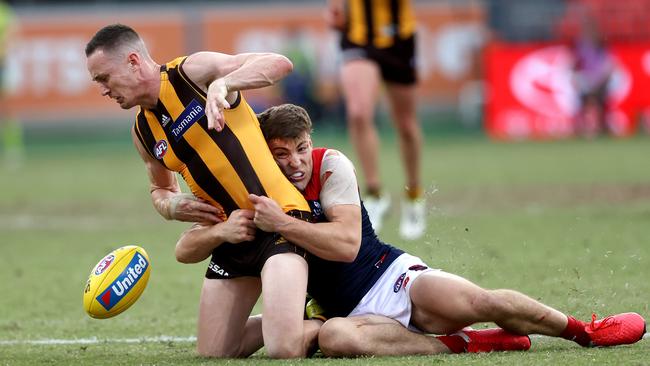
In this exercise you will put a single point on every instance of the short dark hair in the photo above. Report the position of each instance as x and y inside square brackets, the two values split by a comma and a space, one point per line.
[111, 37]
[286, 121]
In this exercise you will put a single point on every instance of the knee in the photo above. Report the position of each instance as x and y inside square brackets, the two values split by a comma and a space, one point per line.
[408, 128]
[284, 350]
[338, 338]
[358, 116]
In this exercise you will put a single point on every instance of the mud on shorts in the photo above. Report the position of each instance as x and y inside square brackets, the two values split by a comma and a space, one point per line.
[389, 296]
[397, 62]
[247, 258]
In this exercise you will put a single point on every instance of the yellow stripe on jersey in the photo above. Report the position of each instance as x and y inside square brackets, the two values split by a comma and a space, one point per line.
[407, 23]
[382, 20]
[358, 31]
[198, 192]
[250, 136]
[389, 19]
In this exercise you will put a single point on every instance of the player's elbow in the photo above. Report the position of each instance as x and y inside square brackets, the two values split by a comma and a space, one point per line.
[284, 65]
[183, 255]
[350, 249]
[348, 257]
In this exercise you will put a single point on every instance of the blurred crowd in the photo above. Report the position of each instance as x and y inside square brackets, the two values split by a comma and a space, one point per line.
[453, 70]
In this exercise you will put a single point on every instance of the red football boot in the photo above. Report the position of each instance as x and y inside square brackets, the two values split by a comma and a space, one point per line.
[626, 328]
[492, 340]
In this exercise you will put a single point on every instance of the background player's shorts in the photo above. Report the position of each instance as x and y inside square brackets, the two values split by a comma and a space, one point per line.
[397, 63]
[247, 259]
[389, 296]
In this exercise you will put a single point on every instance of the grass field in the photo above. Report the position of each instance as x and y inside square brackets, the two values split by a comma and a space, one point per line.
[565, 222]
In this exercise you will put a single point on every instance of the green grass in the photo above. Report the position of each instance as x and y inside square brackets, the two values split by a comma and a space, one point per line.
[565, 222]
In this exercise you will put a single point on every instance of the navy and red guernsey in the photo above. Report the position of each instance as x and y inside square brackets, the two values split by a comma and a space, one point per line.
[338, 286]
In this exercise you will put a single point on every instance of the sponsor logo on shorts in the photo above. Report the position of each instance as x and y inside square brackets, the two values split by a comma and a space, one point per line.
[124, 283]
[398, 284]
[160, 149]
[281, 240]
[192, 113]
[406, 281]
[418, 267]
[105, 263]
[218, 270]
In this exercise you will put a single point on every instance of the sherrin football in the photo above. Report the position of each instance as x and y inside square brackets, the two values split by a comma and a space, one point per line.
[116, 282]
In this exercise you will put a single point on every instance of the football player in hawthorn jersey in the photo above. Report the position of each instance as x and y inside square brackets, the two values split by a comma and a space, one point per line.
[193, 120]
[377, 40]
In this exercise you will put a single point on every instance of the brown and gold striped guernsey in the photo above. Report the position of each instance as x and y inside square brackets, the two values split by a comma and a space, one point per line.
[379, 22]
[221, 167]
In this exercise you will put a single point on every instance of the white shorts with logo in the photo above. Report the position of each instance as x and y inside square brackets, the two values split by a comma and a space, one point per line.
[389, 296]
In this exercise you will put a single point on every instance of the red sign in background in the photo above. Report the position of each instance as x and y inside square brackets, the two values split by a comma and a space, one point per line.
[530, 94]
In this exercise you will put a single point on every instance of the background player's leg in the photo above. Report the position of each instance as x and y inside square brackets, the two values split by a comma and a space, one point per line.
[404, 112]
[360, 81]
[403, 101]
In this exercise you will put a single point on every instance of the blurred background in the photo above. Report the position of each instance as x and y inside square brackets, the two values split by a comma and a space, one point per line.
[509, 69]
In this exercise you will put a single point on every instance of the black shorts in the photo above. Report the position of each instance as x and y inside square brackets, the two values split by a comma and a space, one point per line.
[397, 63]
[247, 259]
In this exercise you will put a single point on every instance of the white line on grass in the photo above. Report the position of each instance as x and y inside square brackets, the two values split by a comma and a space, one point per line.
[158, 339]
[95, 340]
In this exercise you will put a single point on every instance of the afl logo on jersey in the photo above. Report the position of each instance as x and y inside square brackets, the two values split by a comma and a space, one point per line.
[160, 149]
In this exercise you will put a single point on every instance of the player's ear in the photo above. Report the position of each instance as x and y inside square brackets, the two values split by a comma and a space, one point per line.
[134, 61]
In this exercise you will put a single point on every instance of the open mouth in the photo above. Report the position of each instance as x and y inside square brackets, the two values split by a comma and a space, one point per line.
[297, 176]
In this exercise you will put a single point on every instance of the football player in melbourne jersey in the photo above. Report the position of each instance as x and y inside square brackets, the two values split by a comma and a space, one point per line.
[193, 120]
[381, 299]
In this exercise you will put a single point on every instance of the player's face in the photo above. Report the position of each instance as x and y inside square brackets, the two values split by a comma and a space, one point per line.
[294, 158]
[115, 76]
